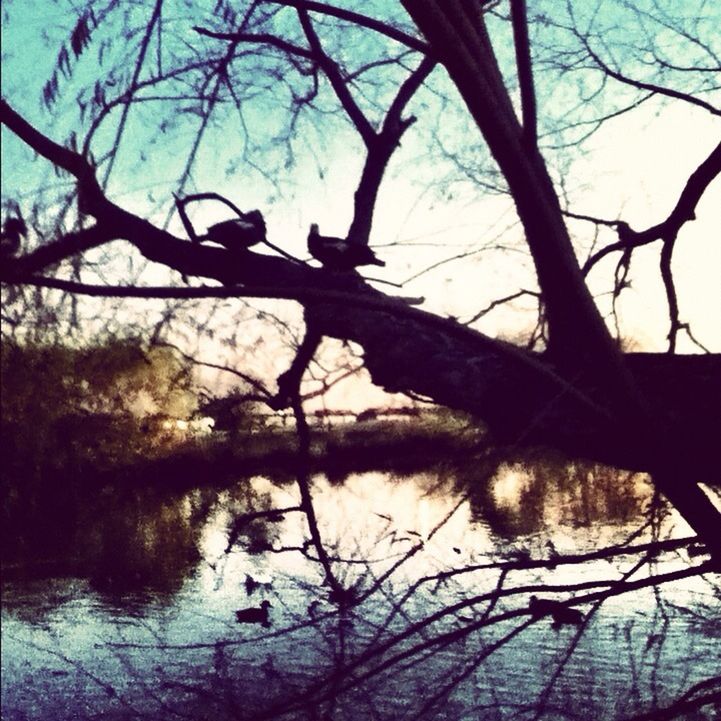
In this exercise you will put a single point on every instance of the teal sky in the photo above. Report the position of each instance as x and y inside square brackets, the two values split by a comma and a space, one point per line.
[430, 207]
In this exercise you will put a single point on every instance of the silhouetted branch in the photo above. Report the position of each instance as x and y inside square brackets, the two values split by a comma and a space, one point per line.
[705, 693]
[665, 231]
[640, 85]
[670, 288]
[289, 382]
[253, 382]
[360, 20]
[64, 158]
[337, 81]
[524, 69]
[259, 38]
[144, 44]
[289, 395]
[683, 211]
[379, 151]
[499, 302]
[190, 230]
[220, 78]
[17, 269]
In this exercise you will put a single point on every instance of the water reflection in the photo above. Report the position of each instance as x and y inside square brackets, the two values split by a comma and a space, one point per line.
[134, 613]
[524, 498]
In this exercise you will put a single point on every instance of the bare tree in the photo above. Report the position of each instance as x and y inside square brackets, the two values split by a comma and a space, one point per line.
[350, 71]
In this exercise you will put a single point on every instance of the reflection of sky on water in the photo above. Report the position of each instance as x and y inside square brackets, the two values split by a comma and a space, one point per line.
[66, 644]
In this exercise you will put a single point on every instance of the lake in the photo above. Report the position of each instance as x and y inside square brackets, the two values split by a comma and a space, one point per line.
[121, 605]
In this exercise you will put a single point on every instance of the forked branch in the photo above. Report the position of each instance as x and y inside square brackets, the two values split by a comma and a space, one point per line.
[684, 210]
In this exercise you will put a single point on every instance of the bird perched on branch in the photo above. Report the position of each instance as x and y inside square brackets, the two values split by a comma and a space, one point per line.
[560, 613]
[338, 253]
[13, 231]
[240, 233]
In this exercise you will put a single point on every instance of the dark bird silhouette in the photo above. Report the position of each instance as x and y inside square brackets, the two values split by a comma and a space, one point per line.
[561, 614]
[253, 584]
[250, 584]
[338, 253]
[254, 615]
[13, 231]
[238, 234]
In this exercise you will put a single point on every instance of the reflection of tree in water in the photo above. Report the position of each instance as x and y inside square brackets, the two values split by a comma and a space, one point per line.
[531, 495]
[420, 630]
[382, 614]
[442, 645]
[149, 542]
[124, 541]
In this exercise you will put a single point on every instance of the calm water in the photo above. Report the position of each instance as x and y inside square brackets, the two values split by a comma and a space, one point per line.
[124, 608]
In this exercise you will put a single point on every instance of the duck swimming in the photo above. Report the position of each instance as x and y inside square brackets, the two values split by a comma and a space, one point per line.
[254, 614]
[253, 584]
[561, 614]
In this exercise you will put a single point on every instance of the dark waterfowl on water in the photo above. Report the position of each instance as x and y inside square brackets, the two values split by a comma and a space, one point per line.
[254, 614]
[561, 614]
[338, 253]
[238, 234]
[250, 584]
[253, 584]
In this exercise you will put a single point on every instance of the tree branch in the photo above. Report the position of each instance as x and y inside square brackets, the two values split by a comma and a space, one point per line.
[683, 211]
[500, 301]
[360, 20]
[524, 69]
[20, 268]
[289, 382]
[640, 85]
[405, 92]
[289, 395]
[63, 157]
[114, 223]
[670, 287]
[379, 152]
[337, 81]
[260, 38]
[144, 44]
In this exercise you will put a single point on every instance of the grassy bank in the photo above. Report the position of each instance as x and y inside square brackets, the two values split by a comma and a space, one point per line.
[218, 459]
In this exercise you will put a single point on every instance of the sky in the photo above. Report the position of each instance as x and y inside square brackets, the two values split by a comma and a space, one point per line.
[633, 168]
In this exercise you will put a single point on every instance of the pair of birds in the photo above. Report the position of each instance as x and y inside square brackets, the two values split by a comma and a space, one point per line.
[239, 234]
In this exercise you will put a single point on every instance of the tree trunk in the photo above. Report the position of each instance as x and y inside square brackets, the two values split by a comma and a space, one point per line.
[580, 345]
